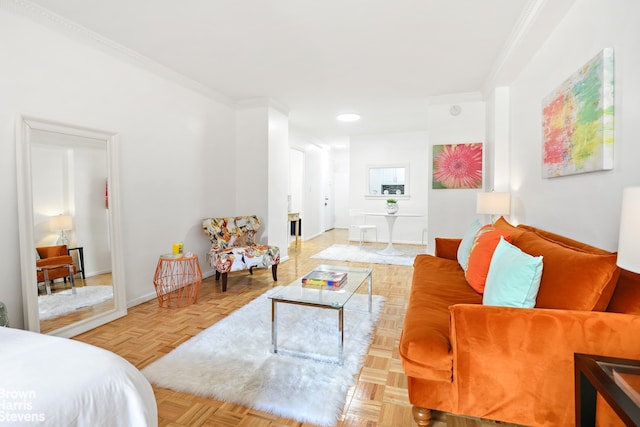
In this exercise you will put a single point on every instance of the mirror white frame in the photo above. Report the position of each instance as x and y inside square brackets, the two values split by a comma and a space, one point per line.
[406, 194]
[24, 126]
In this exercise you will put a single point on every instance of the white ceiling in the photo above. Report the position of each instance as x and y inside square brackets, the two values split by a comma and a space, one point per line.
[384, 59]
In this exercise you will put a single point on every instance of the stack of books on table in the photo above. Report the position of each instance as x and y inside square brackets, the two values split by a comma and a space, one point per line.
[324, 280]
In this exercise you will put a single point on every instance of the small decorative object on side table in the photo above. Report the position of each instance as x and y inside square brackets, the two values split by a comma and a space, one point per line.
[599, 374]
[392, 206]
[177, 280]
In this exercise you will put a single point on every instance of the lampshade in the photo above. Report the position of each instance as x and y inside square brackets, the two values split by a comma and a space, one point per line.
[61, 222]
[493, 203]
[629, 239]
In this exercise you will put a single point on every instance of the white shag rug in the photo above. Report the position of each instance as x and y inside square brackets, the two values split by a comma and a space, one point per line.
[232, 360]
[60, 303]
[368, 254]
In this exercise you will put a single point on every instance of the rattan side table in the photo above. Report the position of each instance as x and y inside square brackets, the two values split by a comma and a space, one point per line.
[177, 280]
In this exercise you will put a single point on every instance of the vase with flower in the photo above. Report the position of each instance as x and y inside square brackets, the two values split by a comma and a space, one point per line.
[392, 206]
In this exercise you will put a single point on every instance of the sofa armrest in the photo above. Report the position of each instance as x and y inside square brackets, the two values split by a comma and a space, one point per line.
[447, 248]
[508, 360]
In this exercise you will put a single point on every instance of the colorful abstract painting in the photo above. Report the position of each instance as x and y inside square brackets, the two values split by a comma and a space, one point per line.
[577, 121]
[457, 166]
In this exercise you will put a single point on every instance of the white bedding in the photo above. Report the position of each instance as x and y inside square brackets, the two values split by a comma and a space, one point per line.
[53, 381]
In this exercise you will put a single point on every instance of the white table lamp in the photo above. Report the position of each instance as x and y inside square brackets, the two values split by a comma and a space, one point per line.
[62, 223]
[629, 238]
[493, 203]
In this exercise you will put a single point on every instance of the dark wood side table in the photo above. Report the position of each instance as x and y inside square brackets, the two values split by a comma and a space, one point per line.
[80, 250]
[593, 375]
[294, 218]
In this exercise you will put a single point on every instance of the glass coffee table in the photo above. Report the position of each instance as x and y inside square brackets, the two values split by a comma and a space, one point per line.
[295, 293]
[616, 380]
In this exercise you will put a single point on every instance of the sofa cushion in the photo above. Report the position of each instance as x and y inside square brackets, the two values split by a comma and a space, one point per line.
[513, 279]
[467, 242]
[503, 224]
[572, 278]
[447, 248]
[425, 346]
[564, 240]
[480, 257]
[626, 298]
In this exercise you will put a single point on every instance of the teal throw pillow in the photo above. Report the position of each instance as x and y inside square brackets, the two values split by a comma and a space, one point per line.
[467, 241]
[514, 277]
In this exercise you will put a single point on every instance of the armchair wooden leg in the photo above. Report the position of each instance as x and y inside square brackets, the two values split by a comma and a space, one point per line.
[224, 282]
[217, 275]
[422, 416]
[274, 272]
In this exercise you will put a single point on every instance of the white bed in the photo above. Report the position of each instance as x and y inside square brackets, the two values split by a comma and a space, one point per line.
[54, 381]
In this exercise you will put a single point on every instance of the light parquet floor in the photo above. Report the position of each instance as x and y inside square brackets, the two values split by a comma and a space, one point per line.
[379, 397]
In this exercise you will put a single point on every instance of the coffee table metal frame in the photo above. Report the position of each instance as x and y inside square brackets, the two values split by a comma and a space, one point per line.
[45, 269]
[295, 293]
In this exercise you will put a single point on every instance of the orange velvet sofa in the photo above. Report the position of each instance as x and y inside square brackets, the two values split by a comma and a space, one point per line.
[515, 364]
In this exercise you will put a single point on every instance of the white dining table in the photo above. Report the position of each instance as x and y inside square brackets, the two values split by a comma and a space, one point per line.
[391, 219]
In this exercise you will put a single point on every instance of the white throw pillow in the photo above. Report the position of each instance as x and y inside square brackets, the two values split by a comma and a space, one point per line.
[514, 277]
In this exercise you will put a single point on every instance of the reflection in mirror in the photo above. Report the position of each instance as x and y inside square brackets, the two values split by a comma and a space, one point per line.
[68, 178]
[70, 271]
[388, 180]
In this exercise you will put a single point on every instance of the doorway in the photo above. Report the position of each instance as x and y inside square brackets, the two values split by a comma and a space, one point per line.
[295, 194]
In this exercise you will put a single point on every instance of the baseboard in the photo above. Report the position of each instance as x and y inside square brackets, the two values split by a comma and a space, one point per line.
[313, 236]
[395, 242]
[148, 297]
[141, 300]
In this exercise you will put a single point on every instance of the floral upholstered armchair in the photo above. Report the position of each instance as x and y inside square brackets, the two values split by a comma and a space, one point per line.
[233, 246]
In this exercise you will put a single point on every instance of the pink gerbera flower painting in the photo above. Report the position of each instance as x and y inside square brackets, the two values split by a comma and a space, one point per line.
[457, 166]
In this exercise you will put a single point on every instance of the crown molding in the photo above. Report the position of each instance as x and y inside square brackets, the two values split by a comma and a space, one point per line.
[82, 34]
[523, 25]
[536, 23]
[248, 103]
[454, 98]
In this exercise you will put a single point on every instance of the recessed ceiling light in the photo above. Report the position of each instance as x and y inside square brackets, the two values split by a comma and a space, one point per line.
[348, 117]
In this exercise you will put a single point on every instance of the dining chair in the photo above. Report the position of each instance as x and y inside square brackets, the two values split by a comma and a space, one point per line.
[360, 224]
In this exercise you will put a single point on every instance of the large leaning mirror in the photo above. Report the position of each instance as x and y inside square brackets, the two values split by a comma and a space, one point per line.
[69, 227]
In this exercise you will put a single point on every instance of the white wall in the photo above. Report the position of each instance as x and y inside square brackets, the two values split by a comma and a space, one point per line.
[315, 164]
[296, 173]
[91, 214]
[251, 173]
[585, 207]
[176, 164]
[390, 149]
[71, 180]
[341, 167]
[451, 211]
[50, 186]
[278, 178]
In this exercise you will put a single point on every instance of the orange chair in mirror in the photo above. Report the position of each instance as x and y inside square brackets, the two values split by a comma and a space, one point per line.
[58, 260]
